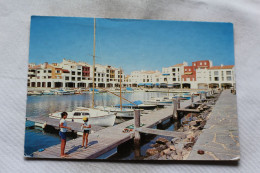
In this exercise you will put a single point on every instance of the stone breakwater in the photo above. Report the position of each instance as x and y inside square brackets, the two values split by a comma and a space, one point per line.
[179, 148]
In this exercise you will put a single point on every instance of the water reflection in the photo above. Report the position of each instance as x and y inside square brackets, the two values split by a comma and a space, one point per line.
[44, 105]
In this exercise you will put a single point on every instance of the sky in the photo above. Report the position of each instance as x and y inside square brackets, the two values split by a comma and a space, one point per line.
[130, 44]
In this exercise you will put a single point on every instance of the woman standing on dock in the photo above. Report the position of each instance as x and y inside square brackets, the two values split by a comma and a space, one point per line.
[62, 133]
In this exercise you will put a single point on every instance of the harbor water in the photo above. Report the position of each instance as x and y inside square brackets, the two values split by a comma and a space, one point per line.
[36, 138]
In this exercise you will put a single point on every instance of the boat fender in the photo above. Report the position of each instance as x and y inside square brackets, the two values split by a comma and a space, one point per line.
[44, 125]
[126, 130]
[41, 149]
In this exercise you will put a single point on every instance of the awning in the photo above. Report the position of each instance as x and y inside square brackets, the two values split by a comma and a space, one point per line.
[157, 84]
[140, 84]
[176, 84]
[148, 84]
[187, 73]
[129, 89]
[166, 74]
[91, 89]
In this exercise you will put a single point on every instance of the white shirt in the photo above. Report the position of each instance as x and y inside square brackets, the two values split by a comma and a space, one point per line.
[85, 124]
[64, 124]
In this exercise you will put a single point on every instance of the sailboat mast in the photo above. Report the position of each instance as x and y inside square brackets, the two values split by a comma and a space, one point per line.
[120, 90]
[94, 47]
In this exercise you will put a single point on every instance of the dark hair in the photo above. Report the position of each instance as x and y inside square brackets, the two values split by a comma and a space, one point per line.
[63, 114]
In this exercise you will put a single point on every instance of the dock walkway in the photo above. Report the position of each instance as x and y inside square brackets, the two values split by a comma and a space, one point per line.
[219, 138]
[106, 139]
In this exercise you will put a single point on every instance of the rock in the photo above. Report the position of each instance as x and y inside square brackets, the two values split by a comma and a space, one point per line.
[161, 141]
[153, 157]
[162, 157]
[179, 152]
[190, 144]
[155, 145]
[172, 148]
[200, 152]
[167, 151]
[186, 128]
[176, 157]
[168, 144]
[175, 140]
[151, 151]
[192, 123]
[161, 147]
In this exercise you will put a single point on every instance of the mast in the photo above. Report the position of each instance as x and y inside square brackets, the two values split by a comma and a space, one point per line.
[120, 89]
[94, 47]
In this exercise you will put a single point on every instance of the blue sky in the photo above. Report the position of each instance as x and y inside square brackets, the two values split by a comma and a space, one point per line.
[130, 44]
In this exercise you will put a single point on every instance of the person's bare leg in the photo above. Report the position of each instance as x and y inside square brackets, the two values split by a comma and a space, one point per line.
[86, 139]
[84, 134]
[62, 147]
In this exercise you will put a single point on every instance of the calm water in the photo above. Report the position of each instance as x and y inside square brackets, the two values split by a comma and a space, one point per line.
[36, 139]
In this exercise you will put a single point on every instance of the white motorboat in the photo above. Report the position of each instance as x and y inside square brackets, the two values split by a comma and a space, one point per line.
[121, 113]
[159, 101]
[95, 116]
[48, 92]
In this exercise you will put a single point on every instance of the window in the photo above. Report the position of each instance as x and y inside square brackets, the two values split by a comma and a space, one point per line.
[85, 113]
[209, 78]
[205, 63]
[216, 79]
[73, 78]
[228, 72]
[215, 72]
[73, 72]
[173, 79]
[165, 79]
[194, 64]
[49, 77]
[222, 78]
[79, 73]
[49, 71]
[77, 114]
[44, 71]
[79, 79]
[229, 78]
[143, 80]
[200, 63]
[185, 69]
[38, 71]
[189, 70]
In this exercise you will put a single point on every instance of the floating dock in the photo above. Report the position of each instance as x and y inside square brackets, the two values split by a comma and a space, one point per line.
[104, 140]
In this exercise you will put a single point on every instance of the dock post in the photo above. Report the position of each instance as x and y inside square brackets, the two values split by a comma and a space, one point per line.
[137, 125]
[178, 103]
[175, 105]
[192, 100]
[137, 137]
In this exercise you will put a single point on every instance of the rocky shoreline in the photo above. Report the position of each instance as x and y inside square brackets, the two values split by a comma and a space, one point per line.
[179, 148]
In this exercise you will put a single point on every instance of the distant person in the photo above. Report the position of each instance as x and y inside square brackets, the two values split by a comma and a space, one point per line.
[86, 127]
[62, 133]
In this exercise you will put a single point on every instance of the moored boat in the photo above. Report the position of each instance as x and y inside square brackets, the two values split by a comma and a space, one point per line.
[95, 116]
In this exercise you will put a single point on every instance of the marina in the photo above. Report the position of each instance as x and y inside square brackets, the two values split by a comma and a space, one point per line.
[108, 138]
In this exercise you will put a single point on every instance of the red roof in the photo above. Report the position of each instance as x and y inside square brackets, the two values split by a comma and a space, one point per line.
[221, 67]
[65, 71]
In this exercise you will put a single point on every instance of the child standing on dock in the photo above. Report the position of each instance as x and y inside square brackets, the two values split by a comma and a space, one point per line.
[62, 133]
[86, 129]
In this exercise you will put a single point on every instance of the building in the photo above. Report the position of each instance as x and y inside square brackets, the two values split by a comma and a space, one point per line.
[70, 74]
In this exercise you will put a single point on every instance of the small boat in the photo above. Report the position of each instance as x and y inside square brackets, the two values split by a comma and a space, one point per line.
[95, 90]
[95, 116]
[121, 113]
[184, 96]
[48, 92]
[159, 101]
[34, 93]
[138, 105]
